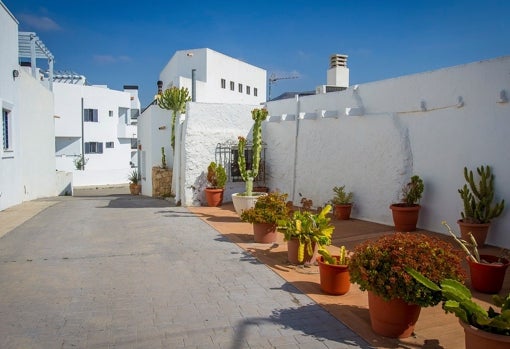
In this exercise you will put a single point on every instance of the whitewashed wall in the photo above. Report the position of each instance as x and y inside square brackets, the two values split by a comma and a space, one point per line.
[154, 130]
[206, 125]
[431, 124]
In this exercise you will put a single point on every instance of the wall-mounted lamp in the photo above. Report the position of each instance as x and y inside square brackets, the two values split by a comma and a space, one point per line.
[503, 98]
[15, 73]
[162, 128]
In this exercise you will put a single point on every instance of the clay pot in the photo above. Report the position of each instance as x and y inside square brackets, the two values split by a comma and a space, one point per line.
[405, 217]
[488, 277]
[394, 318]
[292, 253]
[334, 279]
[264, 233]
[343, 211]
[476, 338]
[135, 189]
[214, 196]
[479, 231]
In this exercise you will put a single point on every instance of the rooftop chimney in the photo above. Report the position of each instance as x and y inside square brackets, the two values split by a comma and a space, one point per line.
[338, 73]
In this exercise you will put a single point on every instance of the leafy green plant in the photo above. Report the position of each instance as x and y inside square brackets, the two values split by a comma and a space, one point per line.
[478, 198]
[457, 299]
[269, 208]
[258, 115]
[173, 99]
[341, 196]
[378, 266]
[216, 175]
[341, 259]
[412, 191]
[80, 162]
[133, 176]
[309, 228]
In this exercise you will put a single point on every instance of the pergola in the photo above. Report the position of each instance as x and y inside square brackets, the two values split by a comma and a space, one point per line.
[30, 46]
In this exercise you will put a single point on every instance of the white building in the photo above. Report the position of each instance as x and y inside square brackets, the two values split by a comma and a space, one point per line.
[98, 124]
[217, 78]
[27, 156]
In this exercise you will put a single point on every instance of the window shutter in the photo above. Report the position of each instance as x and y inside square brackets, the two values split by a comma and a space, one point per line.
[94, 117]
[100, 147]
[87, 148]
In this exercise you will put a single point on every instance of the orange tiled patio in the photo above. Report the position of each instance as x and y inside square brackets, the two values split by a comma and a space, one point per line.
[434, 329]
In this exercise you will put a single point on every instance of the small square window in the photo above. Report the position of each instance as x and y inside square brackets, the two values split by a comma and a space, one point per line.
[240, 86]
[232, 86]
[223, 83]
[109, 144]
[110, 113]
[247, 90]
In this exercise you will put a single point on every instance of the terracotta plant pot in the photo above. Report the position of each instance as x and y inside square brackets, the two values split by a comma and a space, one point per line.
[214, 196]
[405, 218]
[334, 279]
[343, 212]
[476, 338]
[264, 233]
[135, 189]
[292, 253]
[485, 277]
[479, 231]
[394, 318]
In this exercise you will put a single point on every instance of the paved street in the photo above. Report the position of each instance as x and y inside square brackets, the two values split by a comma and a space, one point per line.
[121, 271]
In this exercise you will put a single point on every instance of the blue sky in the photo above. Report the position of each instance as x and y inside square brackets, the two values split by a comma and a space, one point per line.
[129, 42]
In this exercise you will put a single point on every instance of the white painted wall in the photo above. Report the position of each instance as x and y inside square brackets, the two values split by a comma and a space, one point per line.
[206, 125]
[113, 165]
[375, 154]
[154, 132]
[27, 169]
[212, 66]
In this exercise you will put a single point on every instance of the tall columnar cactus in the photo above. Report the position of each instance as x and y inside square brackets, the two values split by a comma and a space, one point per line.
[477, 199]
[258, 115]
[173, 99]
[163, 157]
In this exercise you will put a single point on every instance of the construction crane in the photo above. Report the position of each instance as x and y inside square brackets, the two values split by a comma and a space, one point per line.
[273, 79]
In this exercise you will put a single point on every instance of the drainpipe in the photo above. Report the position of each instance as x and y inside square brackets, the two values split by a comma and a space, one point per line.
[294, 176]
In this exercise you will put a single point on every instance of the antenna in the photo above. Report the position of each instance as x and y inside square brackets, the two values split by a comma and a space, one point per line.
[273, 79]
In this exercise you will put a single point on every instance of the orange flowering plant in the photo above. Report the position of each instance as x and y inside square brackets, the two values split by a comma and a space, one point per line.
[379, 266]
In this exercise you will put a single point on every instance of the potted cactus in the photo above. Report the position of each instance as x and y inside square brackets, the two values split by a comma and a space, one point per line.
[477, 200]
[217, 177]
[334, 271]
[406, 213]
[483, 329]
[245, 200]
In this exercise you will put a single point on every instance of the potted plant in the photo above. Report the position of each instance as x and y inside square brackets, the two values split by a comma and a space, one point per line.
[477, 200]
[483, 329]
[305, 232]
[268, 210]
[487, 271]
[342, 202]
[134, 186]
[247, 199]
[406, 213]
[395, 299]
[217, 177]
[334, 271]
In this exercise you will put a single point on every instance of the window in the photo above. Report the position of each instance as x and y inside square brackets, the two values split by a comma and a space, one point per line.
[232, 85]
[223, 83]
[240, 86]
[247, 90]
[93, 148]
[134, 143]
[255, 91]
[110, 113]
[109, 145]
[90, 115]
[6, 129]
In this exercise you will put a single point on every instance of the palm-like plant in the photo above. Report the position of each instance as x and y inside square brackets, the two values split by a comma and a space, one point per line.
[173, 99]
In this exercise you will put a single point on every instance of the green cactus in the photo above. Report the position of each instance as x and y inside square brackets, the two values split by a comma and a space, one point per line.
[216, 175]
[477, 198]
[457, 299]
[258, 115]
[163, 157]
